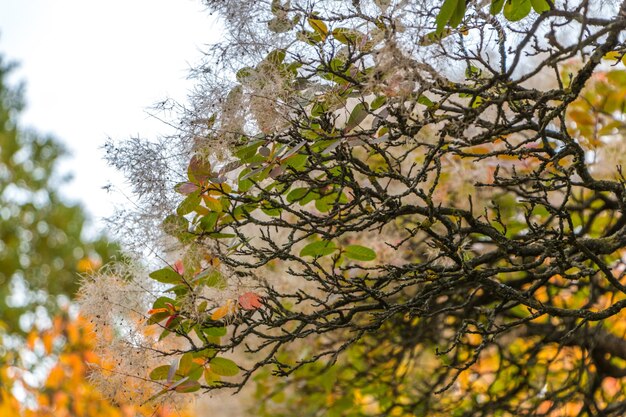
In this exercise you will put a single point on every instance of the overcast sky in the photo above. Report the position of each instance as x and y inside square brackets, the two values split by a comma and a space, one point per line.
[92, 68]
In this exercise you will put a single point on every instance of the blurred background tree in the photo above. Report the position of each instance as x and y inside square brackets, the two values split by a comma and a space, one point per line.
[45, 346]
[42, 242]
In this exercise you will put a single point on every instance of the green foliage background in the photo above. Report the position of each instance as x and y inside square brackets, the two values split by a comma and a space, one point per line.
[41, 234]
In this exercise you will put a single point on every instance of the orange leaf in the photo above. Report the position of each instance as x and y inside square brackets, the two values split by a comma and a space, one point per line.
[73, 333]
[47, 339]
[55, 377]
[250, 301]
[224, 310]
[31, 339]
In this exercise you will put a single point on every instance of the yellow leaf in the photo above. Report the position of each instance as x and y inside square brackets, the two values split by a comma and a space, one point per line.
[212, 204]
[319, 26]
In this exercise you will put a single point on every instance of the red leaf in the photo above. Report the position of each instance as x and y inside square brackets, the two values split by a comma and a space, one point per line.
[170, 320]
[250, 301]
[178, 267]
[200, 169]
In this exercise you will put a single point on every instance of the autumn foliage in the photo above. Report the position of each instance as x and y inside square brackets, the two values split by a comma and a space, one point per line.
[389, 208]
[66, 390]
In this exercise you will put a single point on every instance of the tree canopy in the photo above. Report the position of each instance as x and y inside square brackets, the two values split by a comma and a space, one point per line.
[395, 208]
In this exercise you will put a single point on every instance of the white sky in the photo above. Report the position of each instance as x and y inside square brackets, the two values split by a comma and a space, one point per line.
[93, 67]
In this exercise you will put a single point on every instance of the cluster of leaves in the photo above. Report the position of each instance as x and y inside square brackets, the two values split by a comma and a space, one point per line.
[456, 237]
[452, 12]
[183, 373]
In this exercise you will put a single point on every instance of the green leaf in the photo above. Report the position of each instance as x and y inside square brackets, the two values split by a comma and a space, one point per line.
[378, 102]
[422, 99]
[196, 372]
[359, 253]
[186, 364]
[189, 204]
[279, 397]
[224, 367]
[210, 377]
[297, 194]
[166, 275]
[204, 353]
[297, 162]
[446, 12]
[214, 331]
[476, 102]
[359, 112]
[221, 235]
[159, 373]
[213, 204]
[245, 184]
[540, 6]
[472, 71]
[179, 290]
[258, 174]
[459, 13]
[212, 278]
[208, 222]
[496, 7]
[161, 302]
[164, 334]
[515, 10]
[324, 204]
[318, 109]
[318, 248]
[271, 211]
[248, 151]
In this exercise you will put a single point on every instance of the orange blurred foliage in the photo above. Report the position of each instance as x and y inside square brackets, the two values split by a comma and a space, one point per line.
[66, 391]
